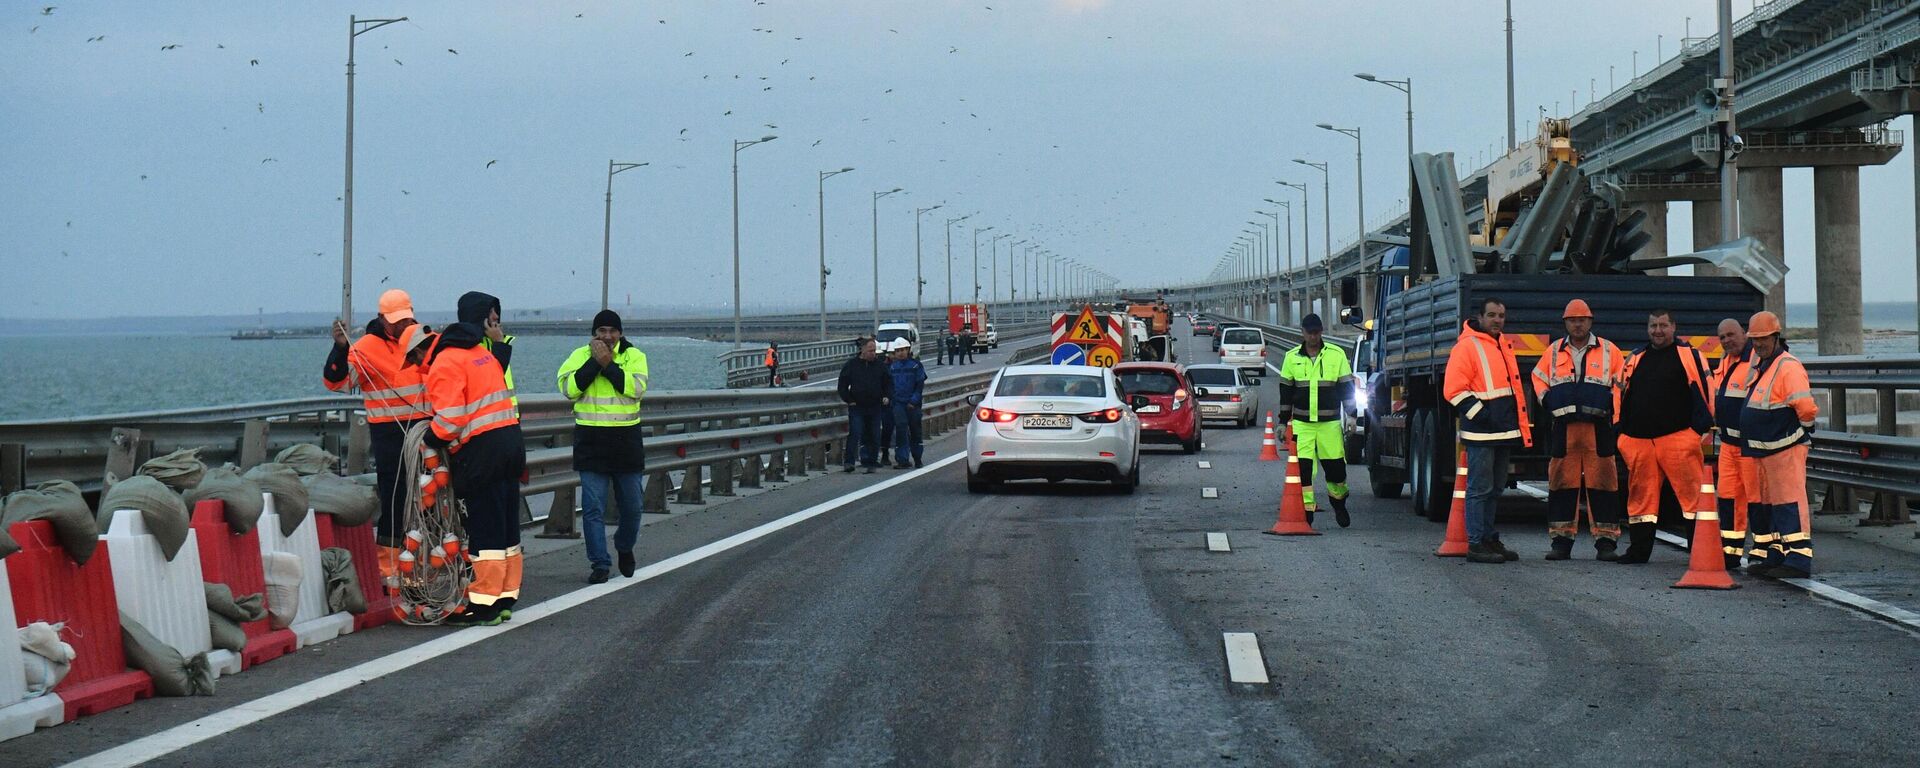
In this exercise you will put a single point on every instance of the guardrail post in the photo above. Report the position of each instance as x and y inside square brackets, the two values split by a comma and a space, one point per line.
[1839, 499]
[13, 467]
[1888, 508]
[754, 472]
[776, 467]
[690, 486]
[655, 498]
[253, 444]
[122, 459]
[722, 484]
[561, 521]
[359, 445]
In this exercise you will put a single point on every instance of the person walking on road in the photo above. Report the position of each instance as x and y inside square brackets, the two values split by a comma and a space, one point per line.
[773, 364]
[1664, 409]
[1737, 475]
[909, 380]
[1316, 389]
[1577, 380]
[395, 396]
[944, 343]
[966, 344]
[475, 420]
[1777, 427]
[1483, 384]
[606, 380]
[863, 385]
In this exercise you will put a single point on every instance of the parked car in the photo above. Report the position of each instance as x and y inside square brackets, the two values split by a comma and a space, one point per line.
[1172, 411]
[988, 340]
[895, 329]
[1244, 347]
[1053, 422]
[1229, 393]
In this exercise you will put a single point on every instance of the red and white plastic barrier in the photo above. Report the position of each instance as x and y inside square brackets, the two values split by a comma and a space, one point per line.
[234, 560]
[358, 541]
[311, 622]
[165, 596]
[49, 586]
[19, 715]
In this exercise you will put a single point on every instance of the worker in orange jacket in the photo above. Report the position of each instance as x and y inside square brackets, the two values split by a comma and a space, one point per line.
[1664, 409]
[1777, 425]
[773, 364]
[1483, 384]
[394, 395]
[1578, 381]
[474, 418]
[1737, 476]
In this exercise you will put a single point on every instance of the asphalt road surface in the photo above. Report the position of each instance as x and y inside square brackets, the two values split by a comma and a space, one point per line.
[1063, 625]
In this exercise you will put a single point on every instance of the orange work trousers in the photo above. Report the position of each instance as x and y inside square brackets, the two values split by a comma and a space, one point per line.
[1583, 472]
[1737, 488]
[1672, 459]
[1783, 493]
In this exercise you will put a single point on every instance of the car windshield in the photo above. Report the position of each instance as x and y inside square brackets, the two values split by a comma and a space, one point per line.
[1050, 385]
[889, 334]
[1242, 336]
[1213, 377]
[1149, 382]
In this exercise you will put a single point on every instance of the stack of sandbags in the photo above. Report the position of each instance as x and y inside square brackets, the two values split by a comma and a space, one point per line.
[159, 507]
[180, 470]
[240, 495]
[60, 503]
[226, 614]
[307, 459]
[289, 496]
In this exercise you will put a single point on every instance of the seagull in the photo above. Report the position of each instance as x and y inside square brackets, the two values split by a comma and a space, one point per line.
[143, 177]
[578, 15]
[36, 28]
[404, 192]
[771, 125]
[688, 53]
[260, 107]
[169, 47]
[683, 131]
[399, 62]
[490, 164]
[96, 39]
[452, 51]
[816, 142]
[383, 280]
[728, 112]
[69, 225]
[268, 160]
[253, 62]
[48, 11]
[889, 90]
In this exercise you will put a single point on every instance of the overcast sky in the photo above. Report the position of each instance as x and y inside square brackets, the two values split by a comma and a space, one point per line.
[1133, 135]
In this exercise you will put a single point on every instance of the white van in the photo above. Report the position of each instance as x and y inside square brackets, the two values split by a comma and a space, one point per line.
[1244, 348]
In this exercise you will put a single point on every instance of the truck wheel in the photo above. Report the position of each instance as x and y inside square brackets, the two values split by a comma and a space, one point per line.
[1417, 473]
[1382, 489]
[1440, 465]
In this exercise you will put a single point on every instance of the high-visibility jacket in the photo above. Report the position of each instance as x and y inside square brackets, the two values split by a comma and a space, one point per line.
[1730, 395]
[468, 390]
[612, 397]
[1582, 385]
[1312, 388]
[503, 351]
[1697, 372]
[771, 358]
[1780, 409]
[1483, 384]
[390, 389]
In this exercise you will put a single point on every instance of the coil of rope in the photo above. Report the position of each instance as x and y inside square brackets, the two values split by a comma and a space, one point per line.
[434, 570]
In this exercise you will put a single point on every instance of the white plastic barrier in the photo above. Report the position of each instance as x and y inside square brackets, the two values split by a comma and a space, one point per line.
[311, 623]
[19, 717]
[165, 597]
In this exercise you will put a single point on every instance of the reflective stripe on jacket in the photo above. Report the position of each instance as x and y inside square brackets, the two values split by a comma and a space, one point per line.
[1730, 395]
[1695, 367]
[605, 402]
[1582, 386]
[1483, 384]
[390, 389]
[1314, 388]
[506, 365]
[469, 394]
[1780, 409]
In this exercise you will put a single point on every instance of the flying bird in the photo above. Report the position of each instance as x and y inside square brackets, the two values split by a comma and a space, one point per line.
[260, 106]
[404, 192]
[490, 164]
[399, 62]
[452, 51]
[816, 142]
[889, 90]
[169, 47]
[771, 125]
[253, 62]
[683, 131]
[143, 177]
[36, 28]
[96, 39]
[728, 112]
[48, 11]
[221, 46]
[268, 160]
[383, 279]
[578, 15]
[688, 53]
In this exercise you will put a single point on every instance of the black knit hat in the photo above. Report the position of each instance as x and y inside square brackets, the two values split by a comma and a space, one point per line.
[607, 319]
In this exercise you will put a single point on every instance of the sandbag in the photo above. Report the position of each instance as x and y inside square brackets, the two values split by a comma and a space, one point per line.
[289, 496]
[47, 658]
[283, 587]
[225, 615]
[240, 495]
[343, 585]
[349, 502]
[161, 508]
[172, 673]
[179, 470]
[307, 459]
[60, 503]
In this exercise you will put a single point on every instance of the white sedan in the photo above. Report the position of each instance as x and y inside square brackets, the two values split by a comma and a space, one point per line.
[1053, 422]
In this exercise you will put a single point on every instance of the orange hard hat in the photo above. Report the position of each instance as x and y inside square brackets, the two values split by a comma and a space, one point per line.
[1763, 324]
[396, 305]
[1577, 308]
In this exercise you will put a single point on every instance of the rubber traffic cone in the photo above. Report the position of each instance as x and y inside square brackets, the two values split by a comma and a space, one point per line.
[1269, 451]
[1293, 507]
[1706, 565]
[1455, 544]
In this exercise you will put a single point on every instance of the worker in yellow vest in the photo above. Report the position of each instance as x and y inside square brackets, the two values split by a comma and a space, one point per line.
[605, 380]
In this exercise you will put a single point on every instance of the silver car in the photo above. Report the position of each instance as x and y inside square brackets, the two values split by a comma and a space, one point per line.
[1232, 394]
[1053, 422]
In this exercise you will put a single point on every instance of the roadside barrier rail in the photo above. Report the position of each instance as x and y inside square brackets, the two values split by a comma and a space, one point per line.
[747, 367]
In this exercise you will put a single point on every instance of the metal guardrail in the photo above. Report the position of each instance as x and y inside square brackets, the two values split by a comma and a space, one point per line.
[747, 367]
[1882, 463]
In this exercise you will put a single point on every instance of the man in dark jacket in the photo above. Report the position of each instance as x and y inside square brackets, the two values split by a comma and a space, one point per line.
[605, 380]
[908, 383]
[966, 343]
[864, 382]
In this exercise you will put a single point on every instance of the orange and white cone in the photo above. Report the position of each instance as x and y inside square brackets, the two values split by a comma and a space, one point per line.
[1269, 450]
[1455, 544]
[1293, 507]
[1706, 565]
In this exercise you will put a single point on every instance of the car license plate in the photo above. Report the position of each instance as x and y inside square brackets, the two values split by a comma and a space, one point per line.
[1047, 421]
[1209, 409]
[1147, 409]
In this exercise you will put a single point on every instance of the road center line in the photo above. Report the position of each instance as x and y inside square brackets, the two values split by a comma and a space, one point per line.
[1217, 542]
[247, 713]
[1244, 664]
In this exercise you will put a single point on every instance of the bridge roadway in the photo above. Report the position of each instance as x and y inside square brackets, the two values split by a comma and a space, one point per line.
[913, 623]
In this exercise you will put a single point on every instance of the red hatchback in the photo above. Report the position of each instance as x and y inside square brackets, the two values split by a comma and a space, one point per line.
[1172, 412]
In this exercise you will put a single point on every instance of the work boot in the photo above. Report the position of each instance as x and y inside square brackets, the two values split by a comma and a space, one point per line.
[869, 469]
[1758, 568]
[506, 608]
[1501, 547]
[1484, 553]
[1340, 512]
[1640, 549]
[1604, 550]
[626, 563]
[847, 468]
[902, 465]
[1309, 515]
[1562, 549]
[1733, 563]
[917, 463]
[599, 576]
[475, 616]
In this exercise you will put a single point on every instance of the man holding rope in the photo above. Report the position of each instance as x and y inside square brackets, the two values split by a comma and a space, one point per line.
[394, 394]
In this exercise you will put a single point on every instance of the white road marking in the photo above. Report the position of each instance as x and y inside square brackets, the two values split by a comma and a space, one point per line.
[247, 713]
[1209, 492]
[1244, 664]
[1206, 465]
[1217, 542]
[1860, 602]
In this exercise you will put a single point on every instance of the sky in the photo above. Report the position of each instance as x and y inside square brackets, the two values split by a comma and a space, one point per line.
[1134, 136]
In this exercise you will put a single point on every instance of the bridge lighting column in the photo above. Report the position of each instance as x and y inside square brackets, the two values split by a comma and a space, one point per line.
[950, 223]
[1326, 218]
[355, 28]
[1406, 87]
[737, 146]
[821, 196]
[919, 278]
[876, 252]
[976, 262]
[606, 230]
[1360, 209]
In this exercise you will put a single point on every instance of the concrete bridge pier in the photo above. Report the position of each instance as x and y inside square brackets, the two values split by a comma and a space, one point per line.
[1656, 225]
[1762, 217]
[1706, 232]
[1836, 256]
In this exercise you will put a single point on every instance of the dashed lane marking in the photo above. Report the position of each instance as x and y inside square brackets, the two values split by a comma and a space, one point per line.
[1206, 465]
[1217, 542]
[1209, 492]
[1245, 666]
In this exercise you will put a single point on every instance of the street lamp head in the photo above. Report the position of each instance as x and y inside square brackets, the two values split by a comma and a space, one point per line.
[1365, 76]
[845, 170]
[1323, 126]
[891, 191]
[768, 138]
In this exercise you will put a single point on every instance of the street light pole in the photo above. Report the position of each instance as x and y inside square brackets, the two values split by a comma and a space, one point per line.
[821, 196]
[737, 146]
[1326, 219]
[976, 262]
[919, 278]
[1406, 87]
[950, 223]
[606, 231]
[876, 253]
[1360, 201]
[355, 27]
[993, 269]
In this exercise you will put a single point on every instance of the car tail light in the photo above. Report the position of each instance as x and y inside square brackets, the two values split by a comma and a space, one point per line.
[1263, 351]
[1106, 454]
[991, 415]
[1179, 398]
[1233, 398]
[1107, 416]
